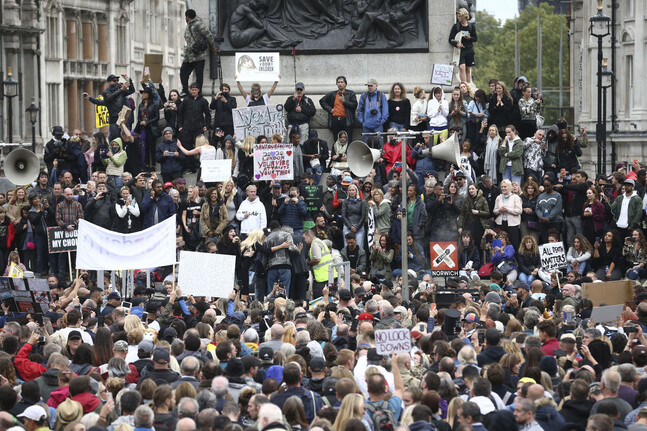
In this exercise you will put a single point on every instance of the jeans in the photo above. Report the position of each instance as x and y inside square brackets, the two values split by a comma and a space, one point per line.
[573, 226]
[359, 235]
[365, 129]
[116, 181]
[316, 173]
[637, 273]
[398, 126]
[528, 279]
[260, 284]
[507, 175]
[282, 275]
[185, 73]
[41, 252]
[582, 269]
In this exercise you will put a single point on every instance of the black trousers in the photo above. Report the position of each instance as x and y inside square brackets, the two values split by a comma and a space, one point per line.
[185, 73]
[514, 233]
[187, 137]
[337, 125]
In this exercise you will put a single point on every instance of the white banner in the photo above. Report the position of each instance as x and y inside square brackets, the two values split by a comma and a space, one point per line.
[257, 66]
[552, 256]
[98, 248]
[273, 162]
[389, 341]
[206, 274]
[259, 120]
[215, 171]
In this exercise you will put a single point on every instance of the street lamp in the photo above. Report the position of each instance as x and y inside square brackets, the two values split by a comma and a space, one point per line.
[600, 28]
[10, 90]
[607, 82]
[33, 111]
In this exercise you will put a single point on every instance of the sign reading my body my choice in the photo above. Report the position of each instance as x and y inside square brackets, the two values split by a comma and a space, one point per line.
[60, 240]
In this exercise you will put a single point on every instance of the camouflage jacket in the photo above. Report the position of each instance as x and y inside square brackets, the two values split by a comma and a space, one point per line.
[195, 31]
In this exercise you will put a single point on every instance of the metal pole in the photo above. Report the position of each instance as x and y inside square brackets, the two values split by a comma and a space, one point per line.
[561, 59]
[404, 253]
[33, 138]
[604, 125]
[10, 122]
[598, 127]
[517, 63]
[539, 56]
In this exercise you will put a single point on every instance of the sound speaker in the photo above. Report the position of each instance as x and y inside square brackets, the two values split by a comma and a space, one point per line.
[21, 167]
[361, 158]
[448, 150]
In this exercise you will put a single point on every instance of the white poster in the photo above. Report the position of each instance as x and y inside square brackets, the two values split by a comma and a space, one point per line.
[101, 249]
[442, 74]
[273, 162]
[370, 231]
[215, 171]
[552, 256]
[206, 274]
[389, 341]
[257, 66]
[263, 120]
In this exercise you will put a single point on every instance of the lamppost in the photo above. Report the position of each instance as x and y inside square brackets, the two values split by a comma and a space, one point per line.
[33, 111]
[600, 28]
[10, 90]
[607, 82]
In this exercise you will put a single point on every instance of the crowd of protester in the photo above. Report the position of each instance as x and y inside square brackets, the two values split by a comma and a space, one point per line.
[514, 348]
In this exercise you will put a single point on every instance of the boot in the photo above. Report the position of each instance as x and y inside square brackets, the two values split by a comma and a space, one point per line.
[123, 115]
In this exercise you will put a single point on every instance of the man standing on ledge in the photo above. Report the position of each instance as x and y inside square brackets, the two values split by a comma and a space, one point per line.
[341, 106]
[198, 39]
[373, 110]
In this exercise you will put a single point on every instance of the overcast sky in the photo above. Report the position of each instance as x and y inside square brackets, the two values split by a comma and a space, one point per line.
[501, 9]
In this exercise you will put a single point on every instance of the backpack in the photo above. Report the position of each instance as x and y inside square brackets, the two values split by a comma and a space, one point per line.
[382, 417]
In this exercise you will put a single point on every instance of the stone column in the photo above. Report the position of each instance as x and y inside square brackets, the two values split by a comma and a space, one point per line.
[88, 109]
[72, 39]
[88, 41]
[102, 37]
[72, 102]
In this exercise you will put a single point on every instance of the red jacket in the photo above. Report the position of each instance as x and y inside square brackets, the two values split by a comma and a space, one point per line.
[393, 154]
[549, 346]
[28, 370]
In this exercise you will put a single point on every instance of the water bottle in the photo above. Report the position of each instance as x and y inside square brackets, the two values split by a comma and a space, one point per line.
[546, 213]
[606, 269]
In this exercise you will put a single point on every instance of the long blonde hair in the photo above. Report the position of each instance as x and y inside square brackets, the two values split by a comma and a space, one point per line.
[223, 190]
[201, 140]
[351, 408]
[254, 237]
[452, 409]
[248, 145]
[133, 323]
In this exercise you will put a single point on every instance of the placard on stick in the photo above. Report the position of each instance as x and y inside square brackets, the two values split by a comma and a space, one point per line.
[552, 256]
[389, 341]
[206, 274]
[61, 240]
[155, 64]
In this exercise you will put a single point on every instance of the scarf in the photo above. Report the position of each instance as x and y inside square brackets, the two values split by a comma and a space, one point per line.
[491, 151]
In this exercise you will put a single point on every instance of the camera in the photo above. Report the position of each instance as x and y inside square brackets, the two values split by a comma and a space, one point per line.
[41, 341]
[629, 329]
[373, 111]
[224, 94]
[218, 130]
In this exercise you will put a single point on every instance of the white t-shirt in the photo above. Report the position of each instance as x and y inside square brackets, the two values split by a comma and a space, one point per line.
[266, 99]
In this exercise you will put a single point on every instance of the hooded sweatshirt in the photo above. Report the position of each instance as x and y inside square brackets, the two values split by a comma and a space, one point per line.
[115, 164]
[437, 118]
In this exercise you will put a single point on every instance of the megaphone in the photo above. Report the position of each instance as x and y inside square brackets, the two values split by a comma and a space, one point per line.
[448, 150]
[361, 158]
[21, 167]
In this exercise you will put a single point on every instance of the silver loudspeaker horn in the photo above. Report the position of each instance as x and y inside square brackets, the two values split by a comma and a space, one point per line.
[361, 158]
[448, 150]
[21, 167]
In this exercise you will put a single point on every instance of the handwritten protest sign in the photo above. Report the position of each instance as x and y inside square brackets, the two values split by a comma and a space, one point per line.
[206, 274]
[442, 74]
[263, 120]
[389, 341]
[552, 256]
[60, 240]
[257, 66]
[214, 171]
[273, 162]
[101, 114]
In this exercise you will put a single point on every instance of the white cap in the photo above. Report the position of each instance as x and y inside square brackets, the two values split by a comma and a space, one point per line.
[35, 413]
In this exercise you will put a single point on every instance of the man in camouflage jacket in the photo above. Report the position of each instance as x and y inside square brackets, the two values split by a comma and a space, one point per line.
[196, 31]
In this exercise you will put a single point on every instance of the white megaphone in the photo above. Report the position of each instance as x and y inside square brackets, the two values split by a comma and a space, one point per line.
[448, 150]
[361, 158]
[21, 167]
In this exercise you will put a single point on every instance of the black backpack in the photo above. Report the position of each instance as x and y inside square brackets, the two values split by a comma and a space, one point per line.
[382, 417]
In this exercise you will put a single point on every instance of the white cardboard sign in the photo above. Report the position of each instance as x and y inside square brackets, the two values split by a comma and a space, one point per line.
[552, 256]
[273, 162]
[206, 274]
[258, 120]
[389, 341]
[257, 66]
[215, 171]
[442, 74]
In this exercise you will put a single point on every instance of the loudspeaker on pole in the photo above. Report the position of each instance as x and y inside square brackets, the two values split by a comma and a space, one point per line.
[361, 158]
[21, 167]
[448, 150]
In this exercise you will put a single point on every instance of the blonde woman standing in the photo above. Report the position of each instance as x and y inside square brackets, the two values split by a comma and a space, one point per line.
[202, 147]
[418, 120]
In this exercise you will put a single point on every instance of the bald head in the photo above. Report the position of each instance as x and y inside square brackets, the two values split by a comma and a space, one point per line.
[387, 309]
[365, 326]
[277, 331]
[569, 290]
[185, 424]
[535, 392]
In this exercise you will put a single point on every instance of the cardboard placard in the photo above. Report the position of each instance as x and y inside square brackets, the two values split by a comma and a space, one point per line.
[101, 114]
[606, 314]
[155, 64]
[258, 120]
[313, 198]
[60, 240]
[25, 295]
[610, 293]
[215, 171]
[206, 274]
[444, 259]
[553, 256]
[273, 162]
[257, 66]
[442, 74]
[389, 341]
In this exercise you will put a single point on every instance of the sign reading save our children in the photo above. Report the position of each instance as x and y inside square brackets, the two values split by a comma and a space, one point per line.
[273, 162]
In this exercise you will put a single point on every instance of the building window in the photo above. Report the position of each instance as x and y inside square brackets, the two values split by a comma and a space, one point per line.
[52, 37]
[630, 84]
[52, 102]
[122, 44]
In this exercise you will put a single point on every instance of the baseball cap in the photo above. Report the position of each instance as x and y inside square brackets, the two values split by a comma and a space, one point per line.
[35, 413]
[632, 182]
[371, 81]
[120, 346]
[114, 295]
[347, 180]
[568, 338]
[400, 310]
[372, 355]
[471, 317]
[317, 364]
[277, 184]
[265, 354]
[299, 86]
[180, 181]
[523, 286]
[344, 294]
[74, 335]
[161, 355]
[459, 174]
[416, 335]
[111, 78]
[168, 184]
[527, 380]
[366, 316]
[146, 346]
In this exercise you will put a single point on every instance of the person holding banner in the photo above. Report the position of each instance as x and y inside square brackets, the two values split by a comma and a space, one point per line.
[255, 98]
[156, 206]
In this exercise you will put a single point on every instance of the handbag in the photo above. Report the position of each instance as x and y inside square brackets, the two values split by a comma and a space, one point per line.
[504, 267]
[540, 120]
[29, 243]
[315, 163]
[533, 225]
[486, 270]
[198, 47]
